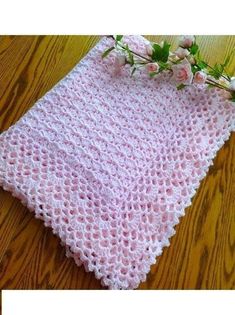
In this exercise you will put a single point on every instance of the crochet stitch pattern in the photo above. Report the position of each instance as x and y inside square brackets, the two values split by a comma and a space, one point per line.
[110, 162]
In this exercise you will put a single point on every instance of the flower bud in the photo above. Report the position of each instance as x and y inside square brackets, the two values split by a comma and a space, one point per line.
[149, 49]
[152, 67]
[186, 41]
[200, 77]
[182, 52]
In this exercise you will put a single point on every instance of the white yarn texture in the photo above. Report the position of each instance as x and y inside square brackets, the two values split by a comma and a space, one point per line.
[110, 162]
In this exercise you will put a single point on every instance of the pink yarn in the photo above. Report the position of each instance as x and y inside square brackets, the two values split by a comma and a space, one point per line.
[110, 162]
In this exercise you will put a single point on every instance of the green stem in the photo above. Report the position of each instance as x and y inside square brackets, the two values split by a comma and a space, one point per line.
[216, 71]
[209, 81]
[133, 52]
[228, 76]
[140, 56]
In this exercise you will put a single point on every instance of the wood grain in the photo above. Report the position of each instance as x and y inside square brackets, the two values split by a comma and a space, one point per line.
[202, 253]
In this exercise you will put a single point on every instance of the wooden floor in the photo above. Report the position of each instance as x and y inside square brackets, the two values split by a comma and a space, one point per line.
[202, 253]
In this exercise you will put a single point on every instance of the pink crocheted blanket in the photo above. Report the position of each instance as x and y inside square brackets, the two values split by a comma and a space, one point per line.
[110, 162]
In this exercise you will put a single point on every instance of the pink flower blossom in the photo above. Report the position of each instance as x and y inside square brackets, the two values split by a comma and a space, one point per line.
[149, 49]
[182, 73]
[182, 52]
[186, 41]
[200, 77]
[152, 67]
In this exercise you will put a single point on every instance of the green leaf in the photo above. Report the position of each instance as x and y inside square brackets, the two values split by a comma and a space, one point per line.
[216, 71]
[119, 37]
[107, 51]
[163, 65]
[233, 96]
[181, 86]
[210, 86]
[195, 68]
[219, 68]
[161, 53]
[193, 49]
[157, 51]
[201, 64]
[131, 58]
[165, 52]
[130, 55]
[152, 74]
